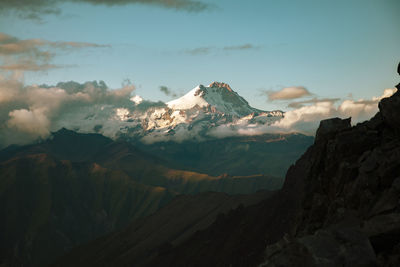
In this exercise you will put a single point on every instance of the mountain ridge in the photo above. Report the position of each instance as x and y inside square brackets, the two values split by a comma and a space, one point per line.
[74, 187]
[338, 207]
[194, 116]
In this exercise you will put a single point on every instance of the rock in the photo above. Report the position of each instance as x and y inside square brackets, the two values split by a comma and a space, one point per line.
[376, 122]
[396, 184]
[339, 204]
[384, 235]
[388, 202]
[221, 85]
[340, 246]
[390, 110]
[287, 253]
[329, 127]
[336, 246]
[382, 224]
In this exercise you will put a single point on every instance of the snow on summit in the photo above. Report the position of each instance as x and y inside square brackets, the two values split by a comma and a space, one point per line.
[188, 101]
[218, 96]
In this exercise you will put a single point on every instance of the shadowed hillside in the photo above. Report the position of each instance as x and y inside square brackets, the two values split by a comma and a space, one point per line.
[47, 206]
[144, 239]
[73, 188]
[270, 154]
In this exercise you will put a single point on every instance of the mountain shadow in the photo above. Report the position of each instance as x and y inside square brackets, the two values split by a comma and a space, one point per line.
[73, 188]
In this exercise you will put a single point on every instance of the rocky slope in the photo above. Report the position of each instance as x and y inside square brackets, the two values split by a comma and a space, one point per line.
[339, 206]
[144, 239]
[48, 206]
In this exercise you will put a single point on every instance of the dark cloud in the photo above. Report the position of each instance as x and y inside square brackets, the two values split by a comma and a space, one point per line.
[30, 9]
[186, 5]
[34, 54]
[313, 101]
[146, 105]
[167, 91]
[34, 9]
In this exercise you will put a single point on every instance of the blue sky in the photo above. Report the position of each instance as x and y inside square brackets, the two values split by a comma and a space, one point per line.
[333, 48]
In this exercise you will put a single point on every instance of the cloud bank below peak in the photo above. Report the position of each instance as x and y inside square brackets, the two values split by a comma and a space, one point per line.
[305, 119]
[31, 112]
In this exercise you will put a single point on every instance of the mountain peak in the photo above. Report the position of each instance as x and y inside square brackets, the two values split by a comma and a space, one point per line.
[220, 97]
[220, 85]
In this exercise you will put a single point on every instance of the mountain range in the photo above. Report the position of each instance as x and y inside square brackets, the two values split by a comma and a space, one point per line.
[73, 187]
[171, 189]
[339, 206]
[204, 113]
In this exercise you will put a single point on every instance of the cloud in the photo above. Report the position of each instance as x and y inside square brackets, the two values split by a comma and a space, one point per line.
[239, 47]
[167, 91]
[186, 5]
[137, 99]
[72, 45]
[30, 66]
[288, 93]
[305, 119]
[29, 9]
[299, 104]
[34, 10]
[210, 49]
[30, 121]
[199, 51]
[10, 45]
[34, 54]
[31, 112]
[363, 109]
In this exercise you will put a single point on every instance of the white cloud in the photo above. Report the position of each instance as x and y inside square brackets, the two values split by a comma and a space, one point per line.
[34, 111]
[137, 99]
[31, 112]
[34, 121]
[305, 119]
[363, 109]
[288, 93]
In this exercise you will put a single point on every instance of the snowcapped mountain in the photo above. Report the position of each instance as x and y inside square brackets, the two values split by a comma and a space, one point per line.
[201, 109]
[219, 96]
[199, 114]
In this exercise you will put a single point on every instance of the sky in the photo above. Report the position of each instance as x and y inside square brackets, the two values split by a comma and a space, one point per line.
[333, 48]
[312, 59]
